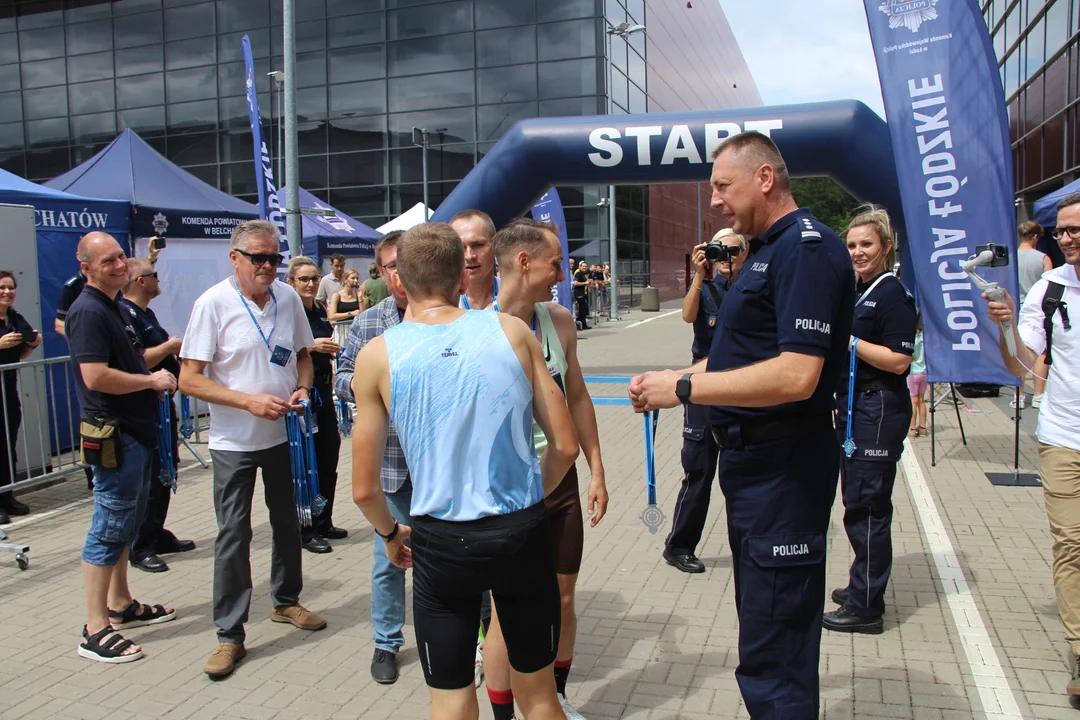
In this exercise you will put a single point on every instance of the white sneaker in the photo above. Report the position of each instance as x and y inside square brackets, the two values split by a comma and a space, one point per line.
[568, 709]
[478, 665]
[1012, 403]
[1036, 400]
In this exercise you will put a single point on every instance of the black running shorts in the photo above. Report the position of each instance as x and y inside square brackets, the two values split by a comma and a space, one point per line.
[454, 563]
[567, 524]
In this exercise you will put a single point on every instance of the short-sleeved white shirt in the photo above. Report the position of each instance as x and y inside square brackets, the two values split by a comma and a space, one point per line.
[327, 287]
[222, 334]
[1059, 416]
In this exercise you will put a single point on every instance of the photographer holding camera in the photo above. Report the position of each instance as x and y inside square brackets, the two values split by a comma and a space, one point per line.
[1044, 327]
[716, 264]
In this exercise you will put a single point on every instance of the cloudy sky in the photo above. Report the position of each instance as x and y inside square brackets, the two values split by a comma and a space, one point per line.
[802, 51]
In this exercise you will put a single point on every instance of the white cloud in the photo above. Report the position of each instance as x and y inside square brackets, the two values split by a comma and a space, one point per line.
[807, 51]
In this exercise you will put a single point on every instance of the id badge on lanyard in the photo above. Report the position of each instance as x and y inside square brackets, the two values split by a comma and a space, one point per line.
[279, 355]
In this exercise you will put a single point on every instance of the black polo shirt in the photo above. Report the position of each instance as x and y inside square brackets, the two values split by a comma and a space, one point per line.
[581, 276]
[884, 316]
[320, 328]
[71, 290]
[14, 322]
[794, 293]
[712, 296]
[100, 331]
[150, 334]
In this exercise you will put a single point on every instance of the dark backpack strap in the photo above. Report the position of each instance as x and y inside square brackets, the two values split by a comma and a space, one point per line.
[714, 294]
[1051, 303]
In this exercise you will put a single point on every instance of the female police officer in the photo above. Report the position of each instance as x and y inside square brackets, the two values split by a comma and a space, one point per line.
[883, 340]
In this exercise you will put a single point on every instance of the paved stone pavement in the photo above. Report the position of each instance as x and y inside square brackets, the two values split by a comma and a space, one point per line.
[652, 642]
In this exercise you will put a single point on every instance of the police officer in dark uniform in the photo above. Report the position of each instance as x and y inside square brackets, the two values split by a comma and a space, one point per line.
[153, 539]
[71, 290]
[303, 275]
[701, 306]
[779, 350]
[883, 339]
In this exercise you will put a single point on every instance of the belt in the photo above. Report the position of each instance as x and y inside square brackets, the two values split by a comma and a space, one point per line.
[740, 435]
[872, 386]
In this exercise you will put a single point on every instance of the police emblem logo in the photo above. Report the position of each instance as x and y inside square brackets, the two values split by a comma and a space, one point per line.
[161, 223]
[909, 13]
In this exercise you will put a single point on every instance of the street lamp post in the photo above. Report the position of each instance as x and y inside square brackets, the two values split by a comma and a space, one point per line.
[277, 77]
[623, 30]
[292, 162]
[421, 137]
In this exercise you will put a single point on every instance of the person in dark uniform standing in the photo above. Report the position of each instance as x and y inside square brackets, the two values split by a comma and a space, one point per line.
[160, 353]
[17, 340]
[701, 306]
[779, 350]
[581, 294]
[303, 275]
[883, 339]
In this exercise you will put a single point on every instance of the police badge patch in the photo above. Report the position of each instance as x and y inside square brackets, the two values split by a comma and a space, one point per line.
[909, 13]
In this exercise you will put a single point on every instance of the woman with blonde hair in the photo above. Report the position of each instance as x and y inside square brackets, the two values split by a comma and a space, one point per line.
[873, 417]
[345, 305]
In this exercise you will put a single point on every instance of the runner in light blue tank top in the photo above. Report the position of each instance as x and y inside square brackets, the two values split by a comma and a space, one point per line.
[462, 406]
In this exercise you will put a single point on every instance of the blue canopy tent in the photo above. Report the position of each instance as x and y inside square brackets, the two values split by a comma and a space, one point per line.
[1046, 215]
[159, 191]
[324, 236]
[61, 219]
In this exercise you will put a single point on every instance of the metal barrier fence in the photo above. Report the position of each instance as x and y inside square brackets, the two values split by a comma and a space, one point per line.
[39, 415]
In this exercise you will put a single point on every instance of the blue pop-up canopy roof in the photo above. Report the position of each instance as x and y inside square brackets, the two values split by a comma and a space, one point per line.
[1046, 207]
[162, 195]
[324, 236]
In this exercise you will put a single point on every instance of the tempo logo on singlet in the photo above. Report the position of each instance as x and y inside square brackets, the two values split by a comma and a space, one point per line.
[679, 141]
[790, 550]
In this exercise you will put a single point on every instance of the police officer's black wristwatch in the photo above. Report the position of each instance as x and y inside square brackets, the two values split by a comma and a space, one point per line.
[682, 388]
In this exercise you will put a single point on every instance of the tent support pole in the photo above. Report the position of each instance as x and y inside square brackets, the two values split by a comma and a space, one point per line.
[292, 170]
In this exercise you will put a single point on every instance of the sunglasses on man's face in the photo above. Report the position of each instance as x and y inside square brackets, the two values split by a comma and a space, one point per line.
[149, 274]
[257, 259]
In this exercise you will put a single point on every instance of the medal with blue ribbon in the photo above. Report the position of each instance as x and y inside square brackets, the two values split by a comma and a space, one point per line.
[651, 516]
[166, 459]
[305, 469]
[849, 440]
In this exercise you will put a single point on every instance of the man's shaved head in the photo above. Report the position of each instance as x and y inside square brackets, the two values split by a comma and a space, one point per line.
[89, 242]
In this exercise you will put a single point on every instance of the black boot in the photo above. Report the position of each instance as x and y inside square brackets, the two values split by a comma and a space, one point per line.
[843, 620]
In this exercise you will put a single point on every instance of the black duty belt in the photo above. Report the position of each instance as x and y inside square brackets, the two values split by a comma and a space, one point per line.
[740, 435]
[873, 386]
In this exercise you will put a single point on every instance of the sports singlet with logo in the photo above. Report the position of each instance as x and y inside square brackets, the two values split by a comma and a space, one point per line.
[463, 409]
[556, 363]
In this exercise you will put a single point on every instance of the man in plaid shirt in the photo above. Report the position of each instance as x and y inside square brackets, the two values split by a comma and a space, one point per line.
[387, 580]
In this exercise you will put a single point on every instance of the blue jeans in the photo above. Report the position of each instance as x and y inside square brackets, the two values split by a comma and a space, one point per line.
[388, 581]
[120, 496]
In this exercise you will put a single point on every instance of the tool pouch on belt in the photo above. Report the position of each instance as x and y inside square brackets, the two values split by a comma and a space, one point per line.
[101, 442]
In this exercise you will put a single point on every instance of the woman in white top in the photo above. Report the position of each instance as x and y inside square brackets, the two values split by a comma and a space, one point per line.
[344, 306]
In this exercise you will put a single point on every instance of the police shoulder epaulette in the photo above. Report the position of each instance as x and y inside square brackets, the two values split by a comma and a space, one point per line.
[809, 232]
[72, 280]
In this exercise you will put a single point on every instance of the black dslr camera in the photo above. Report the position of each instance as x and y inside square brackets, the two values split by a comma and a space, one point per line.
[716, 251]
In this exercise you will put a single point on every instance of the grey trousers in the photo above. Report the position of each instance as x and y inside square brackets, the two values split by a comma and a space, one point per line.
[234, 488]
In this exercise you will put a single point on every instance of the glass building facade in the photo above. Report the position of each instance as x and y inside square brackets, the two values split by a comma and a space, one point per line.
[1038, 50]
[73, 73]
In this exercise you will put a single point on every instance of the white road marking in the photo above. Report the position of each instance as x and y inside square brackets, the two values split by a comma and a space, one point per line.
[657, 317]
[988, 675]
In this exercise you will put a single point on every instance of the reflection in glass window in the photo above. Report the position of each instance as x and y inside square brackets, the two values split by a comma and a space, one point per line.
[357, 63]
[363, 98]
[195, 149]
[89, 37]
[48, 132]
[192, 116]
[147, 121]
[98, 128]
[500, 13]
[11, 106]
[506, 84]
[232, 79]
[311, 69]
[238, 145]
[456, 125]
[9, 49]
[138, 61]
[313, 172]
[348, 134]
[189, 22]
[311, 103]
[190, 53]
[127, 7]
[573, 106]
[441, 19]
[492, 121]
[86, 10]
[11, 136]
[89, 67]
[335, 8]
[1012, 78]
[193, 84]
[564, 9]
[636, 68]
[356, 30]
[92, 97]
[508, 46]
[560, 41]
[638, 100]
[423, 92]
[45, 164]
[231, 46]
[447, 52]
[41, 44]
[568, 78]
[239, 178]
[134, 30]
[1057, 26]
[43, 73]
[1036, 48]
[366, 168]
[45, 103]
[242, 15]
[360, 202]
[619, 92]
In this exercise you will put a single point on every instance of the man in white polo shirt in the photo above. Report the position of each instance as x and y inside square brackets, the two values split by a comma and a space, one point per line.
[1059, 417]
[245, 353]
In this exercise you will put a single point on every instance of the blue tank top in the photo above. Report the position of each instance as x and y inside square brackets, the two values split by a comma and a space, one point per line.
[462, 406]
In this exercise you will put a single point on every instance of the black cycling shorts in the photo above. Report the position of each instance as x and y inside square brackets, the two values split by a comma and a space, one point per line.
[454, 563]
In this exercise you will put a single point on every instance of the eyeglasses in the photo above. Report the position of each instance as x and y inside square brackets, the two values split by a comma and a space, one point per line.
[390, 266]
[1072, 231]
[257, 259]
[307, 279]
[150, 274]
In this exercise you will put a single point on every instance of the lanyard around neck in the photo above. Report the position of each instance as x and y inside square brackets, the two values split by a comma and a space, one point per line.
[494, 297]
[266, 338]
[862, 298]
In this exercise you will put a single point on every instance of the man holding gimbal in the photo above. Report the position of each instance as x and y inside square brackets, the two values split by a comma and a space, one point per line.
[701, 307]
[1044, 326]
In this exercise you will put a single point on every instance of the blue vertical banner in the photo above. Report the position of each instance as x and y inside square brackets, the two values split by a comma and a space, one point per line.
[549, 209]
[950, 139]
[269, 207]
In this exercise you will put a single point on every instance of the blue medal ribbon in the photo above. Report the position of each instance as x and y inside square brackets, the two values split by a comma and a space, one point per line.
[494, 297]
[651, 421]
[304, 465]
[849, 439]
[187, 422]
[167, 474]
[266, 338]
